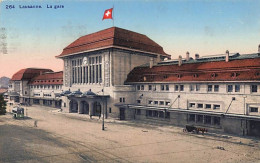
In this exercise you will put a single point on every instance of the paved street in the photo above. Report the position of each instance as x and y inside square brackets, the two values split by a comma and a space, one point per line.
[61, 137]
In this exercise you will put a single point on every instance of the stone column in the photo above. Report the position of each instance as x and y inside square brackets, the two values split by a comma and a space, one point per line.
[212, 120]
[91, 105]
[80, 107]
[41, 101]
[53, 103]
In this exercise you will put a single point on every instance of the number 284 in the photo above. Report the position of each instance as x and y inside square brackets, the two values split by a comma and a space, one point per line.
[9, 6]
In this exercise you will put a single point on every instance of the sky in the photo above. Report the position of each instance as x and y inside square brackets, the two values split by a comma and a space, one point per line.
[33, 37]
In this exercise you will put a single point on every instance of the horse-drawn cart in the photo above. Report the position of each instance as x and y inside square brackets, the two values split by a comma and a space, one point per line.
[191, 128]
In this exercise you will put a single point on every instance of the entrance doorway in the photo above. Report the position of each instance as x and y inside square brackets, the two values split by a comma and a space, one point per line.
[122, 113]
[85, 107]
[254, 128]
[73, 106]
[97, 109]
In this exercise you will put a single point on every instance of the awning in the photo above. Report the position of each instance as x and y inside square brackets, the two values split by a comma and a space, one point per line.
[222, 114]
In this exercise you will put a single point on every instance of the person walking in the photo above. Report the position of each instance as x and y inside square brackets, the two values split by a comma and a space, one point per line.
[35, 123]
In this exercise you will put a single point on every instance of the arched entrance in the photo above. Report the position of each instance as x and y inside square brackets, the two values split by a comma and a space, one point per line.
[97, 109]
[84, 107]
[73, 106]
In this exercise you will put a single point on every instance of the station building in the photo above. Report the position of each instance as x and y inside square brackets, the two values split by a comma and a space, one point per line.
[96, 67]
[126, 75]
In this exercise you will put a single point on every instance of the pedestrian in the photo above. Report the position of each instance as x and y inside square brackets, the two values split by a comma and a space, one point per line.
[35, 123]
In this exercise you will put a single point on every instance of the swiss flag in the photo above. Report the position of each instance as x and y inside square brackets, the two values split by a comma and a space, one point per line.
[108, 14]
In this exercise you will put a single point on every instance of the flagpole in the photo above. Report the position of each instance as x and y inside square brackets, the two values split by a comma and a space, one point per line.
[113, 14]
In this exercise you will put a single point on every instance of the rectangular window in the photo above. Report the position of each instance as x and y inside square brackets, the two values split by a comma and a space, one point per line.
[230, 88]
[191, 88]
[154, 87]
[253, 88]
[197, 87]
[176, 88]
[86, 74]
[167, 103]
[150, 87]
[79, 75]
[150, 102]
[100, 73]
[192, 105]
[216, 107]
[138, 111]
[110, 110]
[167, 87]
[253, 109]
[155, 102]
[138, 87]
[161, 114]
[216, 120]
[192, 117]
[200, 106]
[90, 74]
[208, 106]
[162, 87]
[138, 101]
[237, 88]
[216, 88]
[209, 88]
[181, 87]
[93, 74]
[121, 99]
[142, 87]
[207, 119]
[168, 115]
[200, 118]
[97, 76]
[161, 102]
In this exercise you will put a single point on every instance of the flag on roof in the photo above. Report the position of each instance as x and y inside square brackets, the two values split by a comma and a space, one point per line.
[108, 14]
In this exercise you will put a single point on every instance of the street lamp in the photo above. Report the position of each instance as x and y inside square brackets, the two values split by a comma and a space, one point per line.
[103, 111]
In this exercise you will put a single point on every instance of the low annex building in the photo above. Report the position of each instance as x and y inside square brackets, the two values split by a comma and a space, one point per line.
[36, 86]
[220, 92]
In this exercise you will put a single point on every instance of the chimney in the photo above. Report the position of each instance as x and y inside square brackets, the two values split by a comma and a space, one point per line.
[180, 60]
[197, 56]
[187, 56]
[259, 48]
[227, 56]
[151, 62]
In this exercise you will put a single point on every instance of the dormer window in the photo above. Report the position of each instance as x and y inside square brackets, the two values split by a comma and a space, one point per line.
[234, 74]
[195, 75]
[179, 76]
[213, 75]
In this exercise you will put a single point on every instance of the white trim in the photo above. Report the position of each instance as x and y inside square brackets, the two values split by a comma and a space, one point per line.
[106, 47]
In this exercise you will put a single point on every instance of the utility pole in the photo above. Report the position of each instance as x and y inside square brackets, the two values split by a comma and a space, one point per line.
[103, 111]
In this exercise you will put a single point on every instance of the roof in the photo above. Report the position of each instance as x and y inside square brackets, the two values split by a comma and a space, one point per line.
[48, 78]
[3, 90]
[113, 36]
[28, 73]
[239, 68]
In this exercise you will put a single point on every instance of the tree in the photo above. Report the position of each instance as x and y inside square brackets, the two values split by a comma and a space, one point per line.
[2, 105]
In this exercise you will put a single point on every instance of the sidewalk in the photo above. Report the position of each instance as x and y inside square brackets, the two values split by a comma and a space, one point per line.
[149, 125]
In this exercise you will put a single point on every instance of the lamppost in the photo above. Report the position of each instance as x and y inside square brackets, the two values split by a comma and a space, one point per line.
[103, 111]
